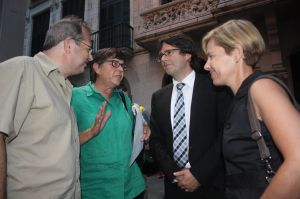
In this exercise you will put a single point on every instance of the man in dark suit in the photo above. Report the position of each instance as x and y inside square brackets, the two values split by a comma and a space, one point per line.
[197, 172]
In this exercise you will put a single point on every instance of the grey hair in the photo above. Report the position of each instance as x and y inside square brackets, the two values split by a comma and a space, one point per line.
[70, 26]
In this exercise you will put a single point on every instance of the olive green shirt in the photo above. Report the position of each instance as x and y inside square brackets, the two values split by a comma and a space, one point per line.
[42, 137]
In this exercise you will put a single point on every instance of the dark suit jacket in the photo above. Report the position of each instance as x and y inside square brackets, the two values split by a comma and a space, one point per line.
[206, 125]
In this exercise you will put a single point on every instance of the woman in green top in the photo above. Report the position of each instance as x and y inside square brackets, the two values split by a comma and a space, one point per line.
[105, 167]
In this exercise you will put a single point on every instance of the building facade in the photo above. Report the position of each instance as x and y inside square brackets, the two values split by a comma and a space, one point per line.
[140, 24]
[12, 17]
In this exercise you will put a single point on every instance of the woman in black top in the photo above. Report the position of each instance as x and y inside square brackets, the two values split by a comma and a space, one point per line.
[233, 49]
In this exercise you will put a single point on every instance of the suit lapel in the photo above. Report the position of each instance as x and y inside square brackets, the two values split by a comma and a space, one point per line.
[167, 111]
[195, 116]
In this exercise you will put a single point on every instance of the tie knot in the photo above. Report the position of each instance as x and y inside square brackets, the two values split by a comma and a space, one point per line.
[180, 86]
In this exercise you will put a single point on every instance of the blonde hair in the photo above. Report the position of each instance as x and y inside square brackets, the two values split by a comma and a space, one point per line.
[237, 32]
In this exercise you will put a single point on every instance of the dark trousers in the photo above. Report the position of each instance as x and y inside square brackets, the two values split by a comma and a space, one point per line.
[172, 191]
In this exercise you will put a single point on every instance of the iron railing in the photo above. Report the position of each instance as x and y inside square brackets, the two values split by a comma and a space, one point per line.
[119, 35]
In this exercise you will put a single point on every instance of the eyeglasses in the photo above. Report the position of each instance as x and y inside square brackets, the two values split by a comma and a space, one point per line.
[167, 53]
[117, 64]
[90, 47]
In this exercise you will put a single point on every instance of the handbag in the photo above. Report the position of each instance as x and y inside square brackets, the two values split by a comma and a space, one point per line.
[256, 128]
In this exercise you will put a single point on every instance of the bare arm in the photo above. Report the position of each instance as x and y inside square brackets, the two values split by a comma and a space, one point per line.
[2, 166]
[99, 123]
[283, 121]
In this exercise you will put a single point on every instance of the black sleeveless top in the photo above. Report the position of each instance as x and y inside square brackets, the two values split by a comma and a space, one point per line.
[245, 172]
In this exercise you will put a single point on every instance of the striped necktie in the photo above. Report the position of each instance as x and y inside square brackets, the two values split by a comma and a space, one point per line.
[179, 130]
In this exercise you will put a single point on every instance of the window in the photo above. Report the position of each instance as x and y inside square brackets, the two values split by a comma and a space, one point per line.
[74, 7]
[165, 1]
[114, 12]
[115, 30]
[40, 27]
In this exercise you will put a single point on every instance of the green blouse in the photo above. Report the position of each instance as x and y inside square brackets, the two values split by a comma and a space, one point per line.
[104, 160]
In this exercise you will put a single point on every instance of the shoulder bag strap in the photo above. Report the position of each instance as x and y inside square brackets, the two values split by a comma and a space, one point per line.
[256, 128]
[123, 99]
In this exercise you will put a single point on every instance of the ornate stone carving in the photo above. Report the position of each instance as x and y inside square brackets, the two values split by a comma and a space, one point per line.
[176, 13]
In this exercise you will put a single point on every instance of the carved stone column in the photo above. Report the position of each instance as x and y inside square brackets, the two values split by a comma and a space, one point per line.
[55, 11]
[91, 13]
[27, 33]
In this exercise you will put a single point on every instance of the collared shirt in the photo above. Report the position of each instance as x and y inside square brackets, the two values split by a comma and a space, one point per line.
[187, 94]
[42, 138]
[105, 166]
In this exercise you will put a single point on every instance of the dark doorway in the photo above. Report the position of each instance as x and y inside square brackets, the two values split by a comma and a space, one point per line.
[1, 6]
[39, 30]
[295, 67]
[165, 1]
[74, 7]
[113, 12]
[114, 30]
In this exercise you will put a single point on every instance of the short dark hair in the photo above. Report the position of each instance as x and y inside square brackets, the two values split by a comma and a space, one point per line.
[70, 26]
[109, 53]
[186, 45]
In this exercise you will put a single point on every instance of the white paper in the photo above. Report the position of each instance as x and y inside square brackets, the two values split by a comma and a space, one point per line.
[138, 134]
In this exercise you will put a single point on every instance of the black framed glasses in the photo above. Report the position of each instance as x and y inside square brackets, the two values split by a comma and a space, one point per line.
[90, 47]
[167, 53]
[117, 64]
